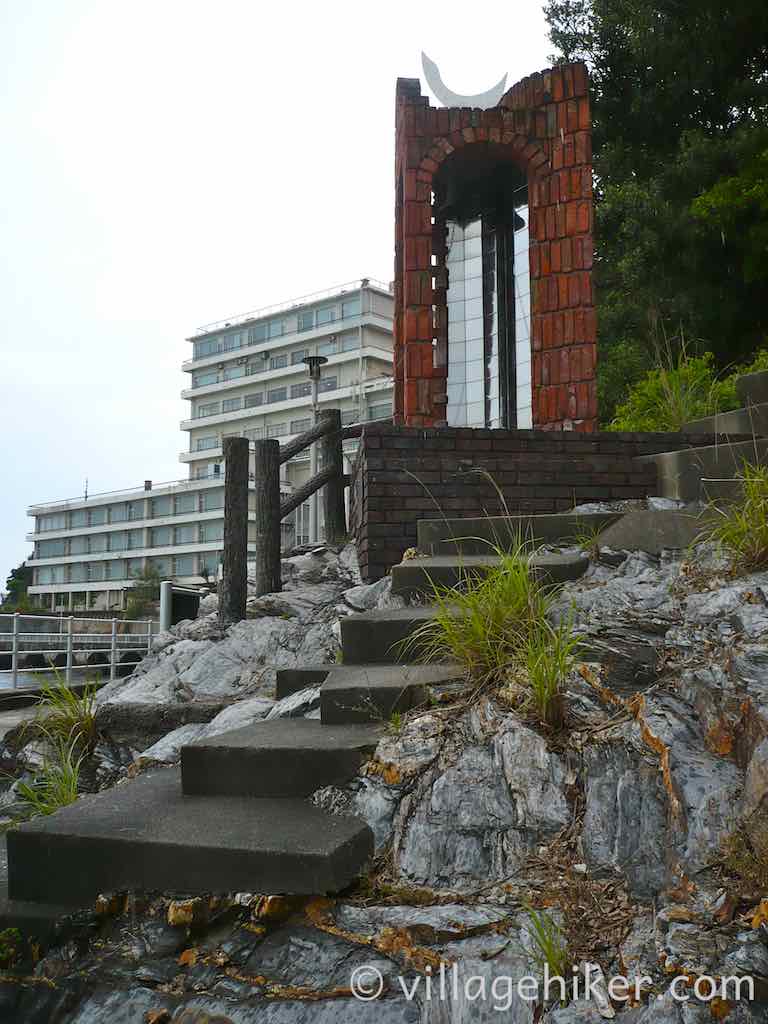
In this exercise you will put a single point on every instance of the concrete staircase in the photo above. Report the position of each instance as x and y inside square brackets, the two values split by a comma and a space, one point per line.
[710, 472]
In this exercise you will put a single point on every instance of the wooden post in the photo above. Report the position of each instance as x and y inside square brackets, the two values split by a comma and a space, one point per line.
[267, 477]
[333, 492]
[235, 556]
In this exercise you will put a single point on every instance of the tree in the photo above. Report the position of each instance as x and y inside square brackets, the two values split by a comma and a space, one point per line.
[16, 586]
[680, 105]
[143, 594]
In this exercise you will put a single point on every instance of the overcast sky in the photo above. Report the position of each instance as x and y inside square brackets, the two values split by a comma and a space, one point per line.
[167, 163]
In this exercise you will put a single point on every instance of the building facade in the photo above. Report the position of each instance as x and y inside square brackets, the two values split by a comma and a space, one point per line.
[246, 378]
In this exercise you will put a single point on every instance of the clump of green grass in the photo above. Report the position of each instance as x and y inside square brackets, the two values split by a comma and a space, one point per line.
[395, 723]
[496, 627]
[64, 715]
[55, 784]
[741, 529]
[550, 945]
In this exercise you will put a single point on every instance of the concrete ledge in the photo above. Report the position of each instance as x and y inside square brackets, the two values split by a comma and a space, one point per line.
[291, 680]
[752, 388]
[680, 473]
[376, 637]
[479, 536]
[144, 835]
[371, 693]
[653, 532]
[748, 422]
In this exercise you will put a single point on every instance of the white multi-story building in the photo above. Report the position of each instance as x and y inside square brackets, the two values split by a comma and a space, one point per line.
[247, 378]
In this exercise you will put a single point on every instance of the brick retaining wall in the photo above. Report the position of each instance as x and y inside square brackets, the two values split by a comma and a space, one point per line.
[404, 474]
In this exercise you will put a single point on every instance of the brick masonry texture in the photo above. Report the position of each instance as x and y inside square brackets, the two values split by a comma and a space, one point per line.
[544, 120]
[404, 474]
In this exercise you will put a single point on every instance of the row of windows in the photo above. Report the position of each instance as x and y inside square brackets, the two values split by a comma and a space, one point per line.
[202, 564]
[266, 330]
[234, 371]
[164, 505]
[132, 540]
[258, 398]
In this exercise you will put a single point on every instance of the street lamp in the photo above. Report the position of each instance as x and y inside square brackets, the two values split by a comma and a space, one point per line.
[313, 364]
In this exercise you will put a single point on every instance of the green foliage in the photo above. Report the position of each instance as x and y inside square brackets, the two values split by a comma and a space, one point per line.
[66, 716]
[495, 626]
[142, 595]
[19, 579]
[745, 852]
[396, 723]
[680, 112]
[741, 528]
[669, 396]
[55, 783]
[550, 946]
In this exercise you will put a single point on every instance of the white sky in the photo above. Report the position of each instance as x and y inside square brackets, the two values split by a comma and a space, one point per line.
[166, 163]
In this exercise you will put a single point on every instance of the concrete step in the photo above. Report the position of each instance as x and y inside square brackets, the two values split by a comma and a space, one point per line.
[749, 422]
[376, 637]
[36, 921]
[752, 388]
[371, 693]
[721, 492]
[291, 680]
[680, 473]
[146, 835]
[480, 536]
[282, 758]
[652, 531]
[419, 576]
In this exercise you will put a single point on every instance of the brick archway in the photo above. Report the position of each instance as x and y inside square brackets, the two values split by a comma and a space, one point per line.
[544, 121]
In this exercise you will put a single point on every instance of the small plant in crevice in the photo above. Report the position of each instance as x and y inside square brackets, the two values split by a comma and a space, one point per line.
[549, 944]
[740, 529]
[745, 852]
[395, 723]
[549, 657]
[64, 715]
[55, 783]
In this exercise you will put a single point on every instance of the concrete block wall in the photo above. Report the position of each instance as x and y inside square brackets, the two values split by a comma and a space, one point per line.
[406, 474]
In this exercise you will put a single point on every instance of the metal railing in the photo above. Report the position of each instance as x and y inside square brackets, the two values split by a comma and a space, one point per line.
[66, 646]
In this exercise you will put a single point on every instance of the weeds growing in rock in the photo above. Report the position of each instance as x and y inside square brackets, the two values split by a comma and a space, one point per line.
[550, 946]
[740, 529]
[549, 657]
[65, 715]
[55, 783]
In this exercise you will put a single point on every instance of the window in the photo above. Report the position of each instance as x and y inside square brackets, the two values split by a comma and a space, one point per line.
[276, 328]
[231, 404]
[278, 362]
[211, 532]
[134, 566]
[328, 383]
[209, 409]
[253, 368]
[97, 517]
[55, 521]
[328, 348]
[185, 534]
[299, 356]
[50, 548]
[213, 500]
[306, 320]
[135, 539]
[257, 333]
[184, 566]
[114, 570]
[276, 430]
[118, 541]
[95, 570]
[204, 443]
[161, 537]
[78, 519]
[185, 503]
[161, 565]
[209, 563]
[380, 412]
[255, 399]
[78, 573]
[300, 390]
[136, 510]
[233, 372]
[350, 416]
[78, 545]
[349, 342]
[118, 513]
[98, 543]
[277, 395]
[351, 307]
[299, 426]
[255, 434]
[162, 506]
[206, 348]
[201, 379]
[326, 315]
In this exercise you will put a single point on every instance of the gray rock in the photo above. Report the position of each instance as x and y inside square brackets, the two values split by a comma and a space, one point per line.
[368, 596]
[756, 781]
[296, 705]
[427, 925]
[168, 749]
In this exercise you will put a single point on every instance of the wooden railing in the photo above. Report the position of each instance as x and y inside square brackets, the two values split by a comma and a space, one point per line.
[268, 456]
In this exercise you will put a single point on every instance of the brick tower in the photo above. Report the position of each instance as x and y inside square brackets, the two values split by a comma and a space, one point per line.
[494, 314]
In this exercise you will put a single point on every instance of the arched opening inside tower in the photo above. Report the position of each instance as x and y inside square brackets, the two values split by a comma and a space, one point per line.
[481, 202]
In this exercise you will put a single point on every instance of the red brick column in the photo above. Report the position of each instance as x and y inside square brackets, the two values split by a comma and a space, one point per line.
[545, 120]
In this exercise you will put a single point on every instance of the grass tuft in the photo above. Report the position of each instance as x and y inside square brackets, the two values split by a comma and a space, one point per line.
[741, 528]
[55, 784]
[550, 946]
[64, 715]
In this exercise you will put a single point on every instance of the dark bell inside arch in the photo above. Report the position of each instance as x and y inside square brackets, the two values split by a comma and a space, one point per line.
[481, 180]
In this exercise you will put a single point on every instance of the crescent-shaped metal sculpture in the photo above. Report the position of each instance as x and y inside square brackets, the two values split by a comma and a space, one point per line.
[483, 100]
